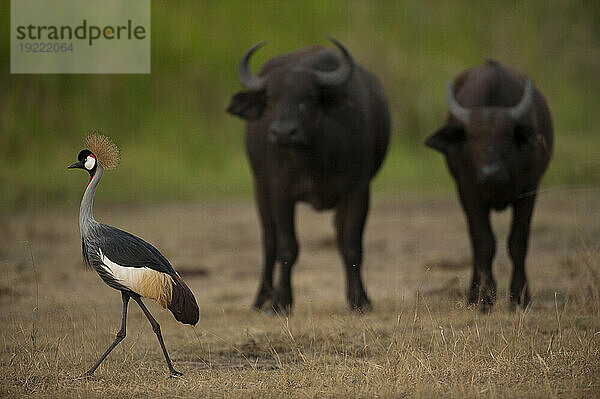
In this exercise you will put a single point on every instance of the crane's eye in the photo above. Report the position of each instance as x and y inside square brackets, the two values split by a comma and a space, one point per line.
[90, 162]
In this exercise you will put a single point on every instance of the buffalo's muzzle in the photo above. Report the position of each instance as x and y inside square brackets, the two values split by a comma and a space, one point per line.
[492, 174]
[286, 133]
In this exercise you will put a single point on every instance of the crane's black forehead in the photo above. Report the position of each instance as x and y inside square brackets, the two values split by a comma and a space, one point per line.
[83, 154]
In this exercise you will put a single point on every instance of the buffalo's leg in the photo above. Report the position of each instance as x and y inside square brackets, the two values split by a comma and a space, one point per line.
[483, 245]
[265, 289]
[120, 336]
[287, 252]
[350, 218]
[517, 249]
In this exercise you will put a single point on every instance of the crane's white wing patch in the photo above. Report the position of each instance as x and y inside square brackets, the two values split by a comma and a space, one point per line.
[144, 281]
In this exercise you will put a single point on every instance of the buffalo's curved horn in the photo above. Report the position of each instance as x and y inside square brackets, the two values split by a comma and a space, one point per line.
[247, 79]
[458, 111]
[524, 105]
[342, 73]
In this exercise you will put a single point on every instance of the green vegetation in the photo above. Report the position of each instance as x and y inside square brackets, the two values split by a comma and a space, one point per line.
[178, 143]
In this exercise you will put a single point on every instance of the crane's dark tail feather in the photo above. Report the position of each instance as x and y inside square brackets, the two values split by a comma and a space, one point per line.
[183, 304]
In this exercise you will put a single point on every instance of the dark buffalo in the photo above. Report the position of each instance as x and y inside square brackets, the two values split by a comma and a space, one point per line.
[497, 141]
[318, 130]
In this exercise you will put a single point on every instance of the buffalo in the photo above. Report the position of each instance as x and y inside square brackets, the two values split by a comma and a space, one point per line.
[497, 142]
[317, 131]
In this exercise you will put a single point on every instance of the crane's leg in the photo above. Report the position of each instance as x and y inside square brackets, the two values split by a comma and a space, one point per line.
[156, 329]
[120, 336]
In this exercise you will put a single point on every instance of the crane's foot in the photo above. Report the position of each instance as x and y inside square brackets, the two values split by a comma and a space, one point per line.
[87, 376]
[174, 374]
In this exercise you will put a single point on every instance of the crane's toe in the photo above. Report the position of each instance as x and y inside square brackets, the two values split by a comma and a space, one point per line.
[87, 376]
[175, 374]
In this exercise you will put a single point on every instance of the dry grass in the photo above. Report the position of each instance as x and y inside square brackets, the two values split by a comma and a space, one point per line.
[420, 341]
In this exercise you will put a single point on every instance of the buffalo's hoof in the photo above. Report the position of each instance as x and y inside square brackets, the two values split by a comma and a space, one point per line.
[522, 301]
[263, 296]
[366, 308]
[279, 309]
[275, 312]
[271, 307]
[363, 305]
[486, 307]
[513, 306]
[473, 296]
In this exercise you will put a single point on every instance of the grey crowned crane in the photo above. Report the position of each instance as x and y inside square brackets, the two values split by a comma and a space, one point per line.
[125, 262]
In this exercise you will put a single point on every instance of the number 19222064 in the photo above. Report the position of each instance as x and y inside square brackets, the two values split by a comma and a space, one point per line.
[40, 47]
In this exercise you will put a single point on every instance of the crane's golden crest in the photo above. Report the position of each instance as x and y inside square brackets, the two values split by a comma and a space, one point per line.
[105, 151]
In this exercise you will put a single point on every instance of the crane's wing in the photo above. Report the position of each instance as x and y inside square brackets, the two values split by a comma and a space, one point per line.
[128, 263]
[127, 250]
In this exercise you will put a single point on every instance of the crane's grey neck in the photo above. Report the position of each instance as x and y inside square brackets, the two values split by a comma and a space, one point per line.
[86, 214]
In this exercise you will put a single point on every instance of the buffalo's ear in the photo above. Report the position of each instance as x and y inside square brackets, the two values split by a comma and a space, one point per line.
[248, 105]
[445, 138]
[525, 134]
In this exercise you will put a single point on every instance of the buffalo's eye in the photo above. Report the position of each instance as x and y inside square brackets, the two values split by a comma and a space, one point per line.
[523, 134]
[520, 138]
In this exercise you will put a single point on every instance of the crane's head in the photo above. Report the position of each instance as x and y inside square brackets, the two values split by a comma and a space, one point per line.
[85, 160]
[100, 150]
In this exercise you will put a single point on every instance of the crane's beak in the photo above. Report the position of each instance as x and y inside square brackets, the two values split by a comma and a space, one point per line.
[78, 165]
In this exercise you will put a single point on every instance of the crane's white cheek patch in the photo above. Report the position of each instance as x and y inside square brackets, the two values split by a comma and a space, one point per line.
[142, 280]
[90, 162]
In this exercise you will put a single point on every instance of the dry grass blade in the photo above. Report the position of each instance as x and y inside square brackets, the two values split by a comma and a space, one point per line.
[419, 342]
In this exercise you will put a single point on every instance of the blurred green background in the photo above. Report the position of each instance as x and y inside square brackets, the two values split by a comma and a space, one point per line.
[178, 143]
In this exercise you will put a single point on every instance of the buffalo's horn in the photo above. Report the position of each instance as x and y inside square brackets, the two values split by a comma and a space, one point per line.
[342, 73]
[522, 108]
[461, 113]
[247, 79]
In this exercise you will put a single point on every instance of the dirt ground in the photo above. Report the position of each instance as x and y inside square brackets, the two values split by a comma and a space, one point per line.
[421, 340]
